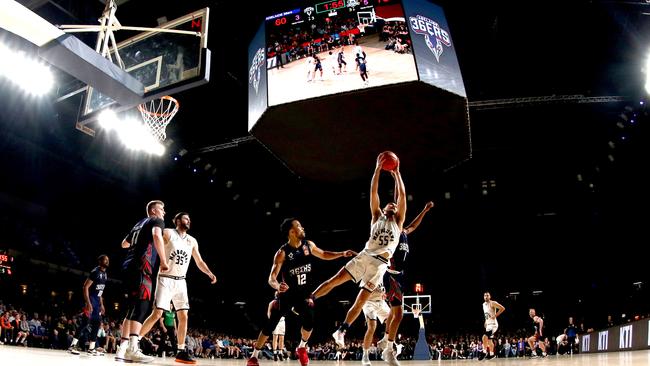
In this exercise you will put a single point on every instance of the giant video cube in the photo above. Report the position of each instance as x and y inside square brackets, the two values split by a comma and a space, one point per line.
[330, 126]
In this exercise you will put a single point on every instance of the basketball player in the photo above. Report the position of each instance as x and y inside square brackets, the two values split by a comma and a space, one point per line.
[491, 309]
[171, 285]
[317, 66]
[538, 325]
[278, 332]
[361, 65]
[375, 309]
[144, 243]
[343, 66]
[94, 306]
[394, 279]
[369, 266]
[294, 262]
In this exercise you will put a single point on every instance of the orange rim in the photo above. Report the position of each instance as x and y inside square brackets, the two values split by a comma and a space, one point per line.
[142, 109]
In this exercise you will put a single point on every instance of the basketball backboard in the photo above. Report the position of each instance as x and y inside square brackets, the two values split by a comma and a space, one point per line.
[423, 302]
[165, 63]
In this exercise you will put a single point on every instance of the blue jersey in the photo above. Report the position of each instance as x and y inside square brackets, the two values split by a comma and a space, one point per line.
[398, 261]
[141, 254]
[96, 290]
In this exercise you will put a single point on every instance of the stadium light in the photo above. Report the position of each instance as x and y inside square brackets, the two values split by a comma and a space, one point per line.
[25, 72]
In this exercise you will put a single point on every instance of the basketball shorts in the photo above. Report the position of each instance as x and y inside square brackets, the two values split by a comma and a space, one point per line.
[367, 270]
[376, 310]
[280, 329]
[490, 329]
[171, 290]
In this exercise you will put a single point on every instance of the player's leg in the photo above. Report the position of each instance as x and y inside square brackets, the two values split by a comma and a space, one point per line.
[371, 326]
[339, 278]
[306, 313]
[351, 316]
[277, 311]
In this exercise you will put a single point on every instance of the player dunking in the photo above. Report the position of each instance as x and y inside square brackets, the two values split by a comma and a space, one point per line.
[93, 289]
[538, 326]
[171, 285]
[394, 280]
[491, 309]
[294, 262]
[369, 266]
[145, 244]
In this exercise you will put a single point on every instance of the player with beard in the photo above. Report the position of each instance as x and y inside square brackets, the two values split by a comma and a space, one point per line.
[368, 267]
[293, 262]
[93, 290]
[491, 309]
[171, 286]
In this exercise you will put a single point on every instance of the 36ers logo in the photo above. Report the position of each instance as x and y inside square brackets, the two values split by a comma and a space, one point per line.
[255, 72]
[429, 28]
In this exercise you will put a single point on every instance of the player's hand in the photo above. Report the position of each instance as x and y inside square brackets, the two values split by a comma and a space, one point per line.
[102, 311]
[349, 253]
[213, 278]
[428, 206]
[89, 308]
[283, 287]
[380, 162]
[164, 266]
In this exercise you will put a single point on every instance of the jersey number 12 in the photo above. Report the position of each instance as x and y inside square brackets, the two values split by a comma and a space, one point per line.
[302, 278]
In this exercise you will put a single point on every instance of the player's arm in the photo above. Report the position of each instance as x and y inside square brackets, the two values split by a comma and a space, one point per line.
[540, 321]
[158, 243]
[498, 308]
[375, 210]
[86, 292]
[278, 260]
[200, 263]
[401, 198]
[328, 255]
[418, 219]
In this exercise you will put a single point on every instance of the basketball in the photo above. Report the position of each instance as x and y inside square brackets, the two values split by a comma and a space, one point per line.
[391, 162]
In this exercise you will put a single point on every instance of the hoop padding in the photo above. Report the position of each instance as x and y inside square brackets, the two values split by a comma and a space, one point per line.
[157, 113]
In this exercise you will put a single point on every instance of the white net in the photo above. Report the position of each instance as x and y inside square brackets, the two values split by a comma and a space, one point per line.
[157, 113]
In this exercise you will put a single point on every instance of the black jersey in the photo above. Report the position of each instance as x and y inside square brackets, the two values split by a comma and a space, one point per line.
[398, 261]
[536, 327]
[142, 252]
[296, 269]
[96, 290]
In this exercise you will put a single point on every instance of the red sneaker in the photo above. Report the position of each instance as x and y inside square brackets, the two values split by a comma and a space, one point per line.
[252, 362]
[303, 356]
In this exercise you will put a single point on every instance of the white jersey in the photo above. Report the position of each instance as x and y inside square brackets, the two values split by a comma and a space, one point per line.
[384, 237]
[179, 253]
[490, 313]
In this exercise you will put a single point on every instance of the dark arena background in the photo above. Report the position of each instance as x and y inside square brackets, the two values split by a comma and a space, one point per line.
[525, 123]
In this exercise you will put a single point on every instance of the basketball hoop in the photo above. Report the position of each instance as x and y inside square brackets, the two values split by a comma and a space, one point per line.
[157, 113]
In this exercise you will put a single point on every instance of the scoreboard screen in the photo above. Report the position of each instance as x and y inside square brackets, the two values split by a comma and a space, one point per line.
[5, 264]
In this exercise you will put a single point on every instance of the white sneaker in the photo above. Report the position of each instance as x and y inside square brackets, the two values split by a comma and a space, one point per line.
[389, 356]
[365, 360]
[339, 338]
[138, 356]
[94, 352]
